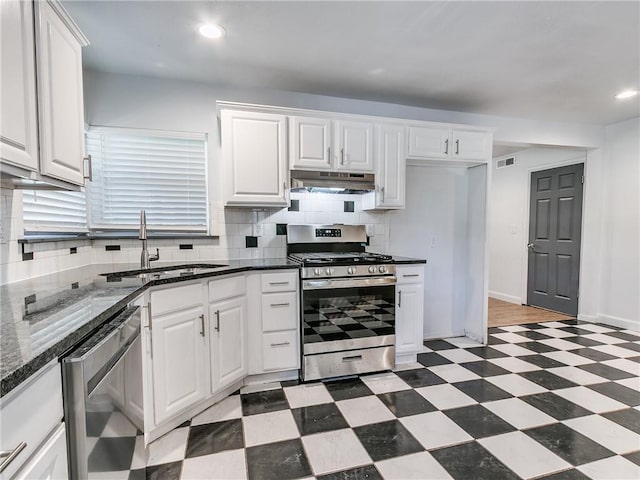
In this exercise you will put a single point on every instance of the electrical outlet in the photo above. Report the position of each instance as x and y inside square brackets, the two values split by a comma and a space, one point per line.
[434, 240]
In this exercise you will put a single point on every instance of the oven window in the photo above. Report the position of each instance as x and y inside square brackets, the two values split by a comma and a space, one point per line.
[348, 313]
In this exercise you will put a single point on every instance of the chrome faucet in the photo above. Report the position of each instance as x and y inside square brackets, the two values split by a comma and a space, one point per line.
[145, 258]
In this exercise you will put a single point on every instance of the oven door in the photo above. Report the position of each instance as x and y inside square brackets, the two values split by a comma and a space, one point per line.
[347, 314]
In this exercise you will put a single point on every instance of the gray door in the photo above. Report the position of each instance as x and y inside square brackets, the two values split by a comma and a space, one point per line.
[555, 220]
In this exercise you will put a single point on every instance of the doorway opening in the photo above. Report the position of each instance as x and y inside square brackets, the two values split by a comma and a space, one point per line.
[521, 215]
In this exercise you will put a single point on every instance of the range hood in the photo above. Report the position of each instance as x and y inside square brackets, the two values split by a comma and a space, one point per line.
[336, 182]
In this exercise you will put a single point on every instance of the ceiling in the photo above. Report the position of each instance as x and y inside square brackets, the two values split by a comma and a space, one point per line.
[554, 61]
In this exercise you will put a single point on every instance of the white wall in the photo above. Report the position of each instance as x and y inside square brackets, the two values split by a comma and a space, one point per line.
[508, 196]
[434, 226]
[620, 259]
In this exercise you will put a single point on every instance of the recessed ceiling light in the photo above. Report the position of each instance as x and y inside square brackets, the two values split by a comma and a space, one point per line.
[212, 31]
[627, 94]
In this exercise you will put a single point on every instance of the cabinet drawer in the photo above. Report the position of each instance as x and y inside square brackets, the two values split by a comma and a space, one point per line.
[280, 282]
[280, 350]
[279, 311]
[30, 414]
[227, 288]
[410, 274]
[176, 298]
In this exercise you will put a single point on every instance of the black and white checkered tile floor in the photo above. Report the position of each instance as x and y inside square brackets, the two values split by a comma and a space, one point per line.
[556, 400]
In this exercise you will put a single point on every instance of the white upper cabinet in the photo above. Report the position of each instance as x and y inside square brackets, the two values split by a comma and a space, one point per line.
[310, 143]
[42, 128]
[429, 142]
[254, 151]
[471, 145]
[354, 146]
[325, 144]
[60, 102]
[449, 144]
[18, 128]
[390, 169]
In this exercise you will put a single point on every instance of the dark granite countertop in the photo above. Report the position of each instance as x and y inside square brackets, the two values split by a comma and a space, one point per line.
[406, 260]
[42, 318]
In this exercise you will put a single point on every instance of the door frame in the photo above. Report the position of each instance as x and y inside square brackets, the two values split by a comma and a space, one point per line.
[525, 257]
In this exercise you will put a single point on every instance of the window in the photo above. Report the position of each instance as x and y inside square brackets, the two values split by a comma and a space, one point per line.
[50, 211]
[163, 173]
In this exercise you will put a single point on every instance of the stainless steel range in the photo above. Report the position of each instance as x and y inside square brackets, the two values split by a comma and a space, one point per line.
[347, 301]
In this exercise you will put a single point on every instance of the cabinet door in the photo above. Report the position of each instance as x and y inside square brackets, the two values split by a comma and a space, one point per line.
[391, 169]
[60, 102]
[227, 335]
[18, 130]
[429, 142]
[354, 146]
[469, 145]
[179, 359]
[50, 461]
[409, 318]
[254, 152]
[310, 143]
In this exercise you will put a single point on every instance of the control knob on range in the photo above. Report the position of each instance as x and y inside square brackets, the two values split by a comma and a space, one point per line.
[351, 270]
[372, 269]
[382, 269]
[330, 270]
[317, 272]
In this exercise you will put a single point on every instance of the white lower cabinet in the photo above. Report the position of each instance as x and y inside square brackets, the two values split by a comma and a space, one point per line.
[280, 350]
[409, 311]
[274, 333]
[180, 373]
[50, 463]
[227, 342]
[31, 427]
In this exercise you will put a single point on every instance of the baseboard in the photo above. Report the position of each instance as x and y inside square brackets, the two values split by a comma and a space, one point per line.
[440, 335]
[505, 298]
[588, 318]
[619, 322]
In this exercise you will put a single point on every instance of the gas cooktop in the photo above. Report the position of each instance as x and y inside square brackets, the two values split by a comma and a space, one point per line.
[336, 258]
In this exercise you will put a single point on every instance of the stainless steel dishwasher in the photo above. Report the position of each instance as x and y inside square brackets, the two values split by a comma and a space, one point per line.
[103, 403]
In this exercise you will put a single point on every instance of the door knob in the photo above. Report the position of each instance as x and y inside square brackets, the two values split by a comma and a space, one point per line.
[531, 246]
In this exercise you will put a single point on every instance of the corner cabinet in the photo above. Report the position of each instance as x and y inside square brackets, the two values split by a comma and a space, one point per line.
[390, 170]
[254, 152]
[409, 312]
[47, 145]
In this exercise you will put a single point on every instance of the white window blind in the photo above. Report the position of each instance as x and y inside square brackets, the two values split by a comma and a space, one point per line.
[163, 173]
[49, 211]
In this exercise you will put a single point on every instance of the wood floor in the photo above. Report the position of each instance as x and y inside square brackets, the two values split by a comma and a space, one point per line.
[505, 313]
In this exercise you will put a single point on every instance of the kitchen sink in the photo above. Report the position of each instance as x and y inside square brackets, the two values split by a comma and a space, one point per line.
[167, 271]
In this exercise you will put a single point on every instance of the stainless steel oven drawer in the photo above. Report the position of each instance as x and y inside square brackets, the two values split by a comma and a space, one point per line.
[349, 362]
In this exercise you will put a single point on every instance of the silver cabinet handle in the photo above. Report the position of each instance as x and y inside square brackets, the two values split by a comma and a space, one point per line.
[353, 358]
[217, 327]
[281, 344]
[88, 168]
[399, 298]
[446, 147]
[202, 324]
[9, 456]
[342, 156]
[382, 191]
[329, 154]
[280, 304]
[411, 275]
[457, 146]
[278, 283]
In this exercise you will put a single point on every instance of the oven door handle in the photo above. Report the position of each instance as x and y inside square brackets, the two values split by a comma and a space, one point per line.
[328, 283]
